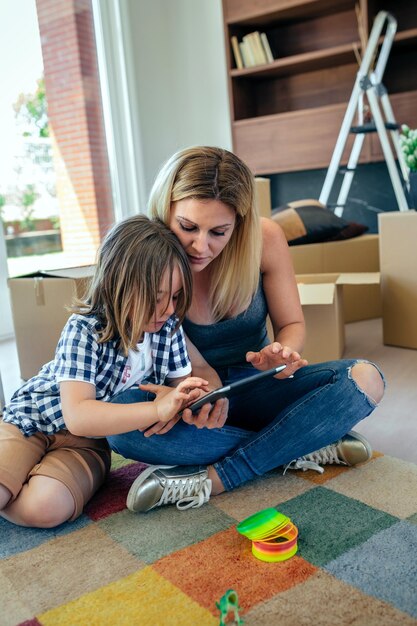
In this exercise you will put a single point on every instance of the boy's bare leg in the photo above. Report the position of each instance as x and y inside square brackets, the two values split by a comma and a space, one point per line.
[43, 502]
[5, 496]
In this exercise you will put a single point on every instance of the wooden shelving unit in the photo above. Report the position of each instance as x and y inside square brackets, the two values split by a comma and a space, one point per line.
[286, 115]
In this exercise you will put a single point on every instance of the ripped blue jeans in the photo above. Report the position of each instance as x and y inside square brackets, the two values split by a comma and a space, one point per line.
[268, 426]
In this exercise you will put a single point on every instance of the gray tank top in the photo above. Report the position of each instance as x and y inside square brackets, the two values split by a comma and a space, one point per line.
[225, 343]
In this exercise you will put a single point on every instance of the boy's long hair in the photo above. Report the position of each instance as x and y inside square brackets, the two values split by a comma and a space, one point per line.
[209, 173]
[131, 263]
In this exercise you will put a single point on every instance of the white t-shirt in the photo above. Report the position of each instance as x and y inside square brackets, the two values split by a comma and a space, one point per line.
[138, 365]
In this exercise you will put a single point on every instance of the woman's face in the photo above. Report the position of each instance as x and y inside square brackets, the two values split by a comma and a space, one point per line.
[204, 228]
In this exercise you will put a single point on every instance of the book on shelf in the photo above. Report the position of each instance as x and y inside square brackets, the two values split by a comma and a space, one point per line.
[260, 55]
[246, 57]
[267, 48]
[250, 50]
[236, 52]
[253, 50]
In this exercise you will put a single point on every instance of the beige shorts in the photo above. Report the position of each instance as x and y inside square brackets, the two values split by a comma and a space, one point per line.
[80, 463]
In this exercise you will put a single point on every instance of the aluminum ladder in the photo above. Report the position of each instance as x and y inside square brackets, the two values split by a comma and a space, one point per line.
[369, 83]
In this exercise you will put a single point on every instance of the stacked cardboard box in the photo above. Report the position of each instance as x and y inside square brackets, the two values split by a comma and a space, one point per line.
[263, 196]
[398, 256]
[39, 304]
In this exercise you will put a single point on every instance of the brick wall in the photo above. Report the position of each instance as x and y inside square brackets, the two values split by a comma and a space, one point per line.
[76, 122]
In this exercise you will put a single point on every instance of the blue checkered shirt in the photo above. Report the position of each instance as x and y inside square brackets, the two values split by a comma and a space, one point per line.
[36, 406]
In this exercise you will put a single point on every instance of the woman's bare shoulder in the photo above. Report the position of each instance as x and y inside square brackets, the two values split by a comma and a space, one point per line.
[274, 241]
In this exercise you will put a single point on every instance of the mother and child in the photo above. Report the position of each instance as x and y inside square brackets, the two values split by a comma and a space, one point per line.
[177, 307]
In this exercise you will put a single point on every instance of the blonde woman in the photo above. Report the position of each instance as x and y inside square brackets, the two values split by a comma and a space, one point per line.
[242, 272]
[53, 451]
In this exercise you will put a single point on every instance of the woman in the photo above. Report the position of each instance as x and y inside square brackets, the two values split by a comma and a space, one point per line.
[242, 272]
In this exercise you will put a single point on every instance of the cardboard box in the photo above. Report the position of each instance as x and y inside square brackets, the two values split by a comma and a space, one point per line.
[263, 196]
[398, 258]
[39, 302]
[360, 254]
[321, 297]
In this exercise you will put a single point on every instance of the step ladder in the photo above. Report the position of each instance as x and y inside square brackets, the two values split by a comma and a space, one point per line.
[369, 83]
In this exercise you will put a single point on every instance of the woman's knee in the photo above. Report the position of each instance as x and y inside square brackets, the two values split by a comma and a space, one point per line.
[369, 379]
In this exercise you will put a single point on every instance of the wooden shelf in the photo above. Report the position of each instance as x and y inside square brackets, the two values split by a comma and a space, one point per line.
[248, 12]
[286, 115]
[406, 37]
[279, 143]
[319, 59]
[300, 63]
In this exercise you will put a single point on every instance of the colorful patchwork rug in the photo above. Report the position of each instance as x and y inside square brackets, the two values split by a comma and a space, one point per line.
[356, 561]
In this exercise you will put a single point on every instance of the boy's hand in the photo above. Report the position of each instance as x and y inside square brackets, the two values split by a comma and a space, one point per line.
[169, 403]
[209, 416]
[160, 428]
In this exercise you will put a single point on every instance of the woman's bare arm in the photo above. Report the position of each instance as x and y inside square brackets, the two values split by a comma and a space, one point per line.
[283, 302]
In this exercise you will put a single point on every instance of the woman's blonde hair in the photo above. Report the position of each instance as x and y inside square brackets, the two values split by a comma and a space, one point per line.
[131, 263]
[211, 173]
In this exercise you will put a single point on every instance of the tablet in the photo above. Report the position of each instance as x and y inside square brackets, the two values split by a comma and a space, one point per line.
[233, 388]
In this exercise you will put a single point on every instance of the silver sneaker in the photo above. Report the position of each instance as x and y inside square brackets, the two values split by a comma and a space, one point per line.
[352, 449]
[187, 487]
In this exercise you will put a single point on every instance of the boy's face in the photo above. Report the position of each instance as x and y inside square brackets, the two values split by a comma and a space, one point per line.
[166, 302]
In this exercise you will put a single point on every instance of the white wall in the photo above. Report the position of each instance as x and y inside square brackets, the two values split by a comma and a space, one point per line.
[177, 69]
[172, 53]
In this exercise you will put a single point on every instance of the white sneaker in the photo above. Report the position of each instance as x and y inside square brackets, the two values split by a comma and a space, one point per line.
[352, 449]
[187, 487]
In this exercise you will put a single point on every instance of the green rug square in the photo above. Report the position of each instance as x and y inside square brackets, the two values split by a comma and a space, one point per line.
[117, 461]
[330, 523]
[151, 536]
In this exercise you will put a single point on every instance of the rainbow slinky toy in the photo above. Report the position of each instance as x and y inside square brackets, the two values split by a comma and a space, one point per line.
[273, 535]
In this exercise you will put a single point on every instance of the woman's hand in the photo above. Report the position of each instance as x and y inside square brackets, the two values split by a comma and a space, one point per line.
[275, 354]
[209, 416]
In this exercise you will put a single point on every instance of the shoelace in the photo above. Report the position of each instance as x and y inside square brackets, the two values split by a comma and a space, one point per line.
[314, 460]
[187, 493]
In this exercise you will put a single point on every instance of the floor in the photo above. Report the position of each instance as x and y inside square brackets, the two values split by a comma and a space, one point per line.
[392, 427]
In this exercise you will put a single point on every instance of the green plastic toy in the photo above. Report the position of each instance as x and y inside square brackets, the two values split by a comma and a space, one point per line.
[229, 602]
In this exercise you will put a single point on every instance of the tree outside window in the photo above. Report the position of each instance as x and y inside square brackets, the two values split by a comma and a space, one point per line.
[29, 208]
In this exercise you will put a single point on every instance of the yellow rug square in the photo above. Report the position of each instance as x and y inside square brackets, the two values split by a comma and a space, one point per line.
[143, 598]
